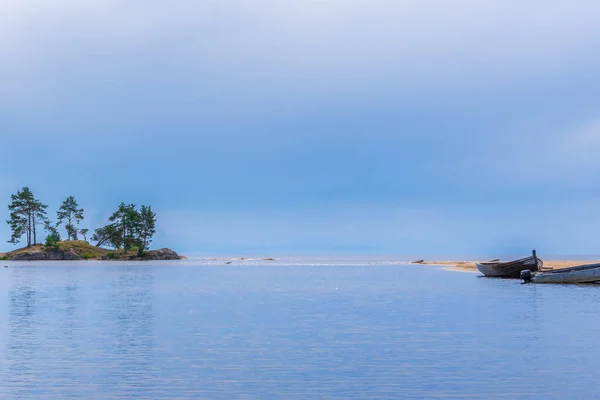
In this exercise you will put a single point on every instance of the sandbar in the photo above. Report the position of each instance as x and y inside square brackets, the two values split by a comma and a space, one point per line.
[469, 266]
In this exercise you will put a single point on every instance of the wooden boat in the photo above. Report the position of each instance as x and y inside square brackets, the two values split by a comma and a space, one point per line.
[510, 269]
[580, 274]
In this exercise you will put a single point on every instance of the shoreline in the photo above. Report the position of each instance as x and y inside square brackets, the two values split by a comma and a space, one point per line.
[469, 266]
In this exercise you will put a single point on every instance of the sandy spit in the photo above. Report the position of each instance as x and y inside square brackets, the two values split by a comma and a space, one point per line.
[469, 266]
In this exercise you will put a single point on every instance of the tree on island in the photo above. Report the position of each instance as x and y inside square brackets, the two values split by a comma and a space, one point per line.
[128, 228]
[70, 214]
[26, 213]
[39, 217]
[84, 233]
[107, 235]
[147, 227]
[125, 220]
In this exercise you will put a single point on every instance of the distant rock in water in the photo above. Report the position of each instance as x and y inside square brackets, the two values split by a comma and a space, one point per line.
[162, 254]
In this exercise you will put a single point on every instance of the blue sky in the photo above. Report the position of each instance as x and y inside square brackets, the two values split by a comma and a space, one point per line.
[433, 128]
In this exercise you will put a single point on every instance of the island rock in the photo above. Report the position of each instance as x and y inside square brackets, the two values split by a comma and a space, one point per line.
[47, 254]
[80, 250]
[162, 254]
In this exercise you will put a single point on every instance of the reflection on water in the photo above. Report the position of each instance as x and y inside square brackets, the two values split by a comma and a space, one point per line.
[22, 345]
[378, 331]
[131, 330]
[68, 302]
[67, 334]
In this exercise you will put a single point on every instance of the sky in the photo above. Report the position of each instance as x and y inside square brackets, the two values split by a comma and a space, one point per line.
[427, 128]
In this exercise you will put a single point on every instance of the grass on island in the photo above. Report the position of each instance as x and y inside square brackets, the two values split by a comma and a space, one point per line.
[26, 250]
[84, 249]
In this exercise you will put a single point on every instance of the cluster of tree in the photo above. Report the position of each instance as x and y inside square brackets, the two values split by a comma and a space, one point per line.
[26, 214]
[128, 228]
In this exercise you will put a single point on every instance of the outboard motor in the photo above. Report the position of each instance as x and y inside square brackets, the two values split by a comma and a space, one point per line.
[526, 276]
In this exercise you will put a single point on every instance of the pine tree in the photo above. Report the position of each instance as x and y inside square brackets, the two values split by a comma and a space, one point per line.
[128, 228]
[70, 214]
[84, 233]
[19, 221]
[26, 213]
[38, 212]
[126, 220]
[20, 215]
[146, 227]
[108, 235]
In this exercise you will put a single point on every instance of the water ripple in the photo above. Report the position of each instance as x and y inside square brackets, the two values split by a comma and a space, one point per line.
[376, 331]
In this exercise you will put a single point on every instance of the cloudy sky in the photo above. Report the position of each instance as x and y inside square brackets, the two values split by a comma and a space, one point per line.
[380, 127]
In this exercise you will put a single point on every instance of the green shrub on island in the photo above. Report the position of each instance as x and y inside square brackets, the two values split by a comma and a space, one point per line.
[87, 256]
[111, 255]
[139, 251]
[53, 239]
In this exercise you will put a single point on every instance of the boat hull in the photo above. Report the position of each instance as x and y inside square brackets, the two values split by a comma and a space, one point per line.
[510, 269]
[581, 274]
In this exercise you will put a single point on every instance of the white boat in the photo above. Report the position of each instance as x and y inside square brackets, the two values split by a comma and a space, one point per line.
[580, 274]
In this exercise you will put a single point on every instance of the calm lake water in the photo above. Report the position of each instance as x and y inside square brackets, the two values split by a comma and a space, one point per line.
[290, 330]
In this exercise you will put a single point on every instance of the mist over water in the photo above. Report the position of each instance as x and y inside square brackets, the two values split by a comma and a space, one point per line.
[292, 329]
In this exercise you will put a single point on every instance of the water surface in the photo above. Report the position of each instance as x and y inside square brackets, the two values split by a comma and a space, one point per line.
[291, 329]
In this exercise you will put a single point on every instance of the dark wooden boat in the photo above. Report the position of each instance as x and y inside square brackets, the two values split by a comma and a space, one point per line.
[588, 273]
[510, 269]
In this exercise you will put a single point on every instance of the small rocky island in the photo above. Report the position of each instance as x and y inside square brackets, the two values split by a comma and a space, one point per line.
[129, 232]
[75, 250]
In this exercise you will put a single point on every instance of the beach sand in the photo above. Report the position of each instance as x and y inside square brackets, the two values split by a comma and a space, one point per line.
[469, 266]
